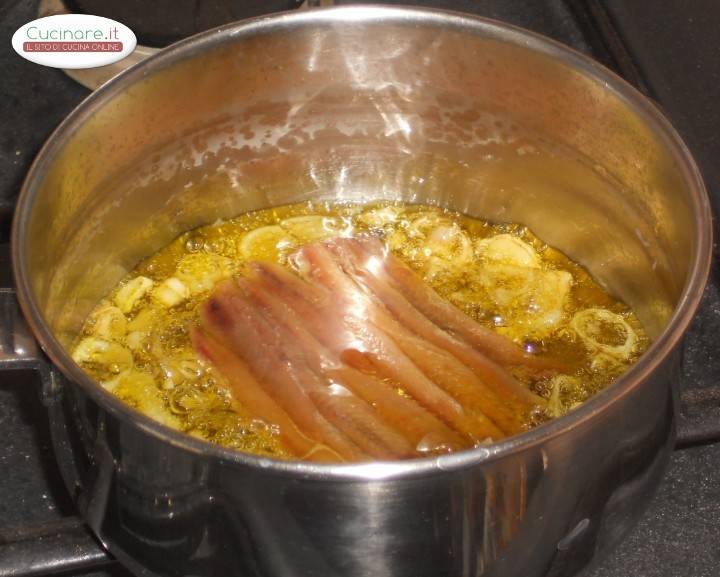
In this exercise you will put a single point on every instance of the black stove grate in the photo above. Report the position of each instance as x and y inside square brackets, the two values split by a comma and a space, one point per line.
[667, 49]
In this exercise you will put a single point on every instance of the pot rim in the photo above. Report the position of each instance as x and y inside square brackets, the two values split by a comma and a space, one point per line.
[191, 47]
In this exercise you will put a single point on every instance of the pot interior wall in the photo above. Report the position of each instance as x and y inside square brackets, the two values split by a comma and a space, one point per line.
[359, 111]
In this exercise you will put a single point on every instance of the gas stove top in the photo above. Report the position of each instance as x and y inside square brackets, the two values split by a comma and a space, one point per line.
[668, 49]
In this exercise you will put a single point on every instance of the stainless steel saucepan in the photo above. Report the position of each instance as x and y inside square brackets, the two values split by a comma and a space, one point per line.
[355, 104]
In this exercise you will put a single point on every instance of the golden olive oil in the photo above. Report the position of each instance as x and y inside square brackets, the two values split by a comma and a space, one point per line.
[136, 342]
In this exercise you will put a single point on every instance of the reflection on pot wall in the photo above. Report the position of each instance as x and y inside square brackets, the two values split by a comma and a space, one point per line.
[178, 513]
[409, 113]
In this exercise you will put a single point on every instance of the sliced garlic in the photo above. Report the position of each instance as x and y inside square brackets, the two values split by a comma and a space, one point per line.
[109, 322]
[267, 243]
[378, 217]
[140, 390]
[111, 384]
[136, 340]
[424, 223]
[144, 320]
[180, 369]
[200, 272]
[548, 301]
[595, 325]
[557, 385]
[530, 300]
[131, 292]
[109, 355]
[449, 243]
[171, 292]
[508, 249]
[396, 240]
[315, 227]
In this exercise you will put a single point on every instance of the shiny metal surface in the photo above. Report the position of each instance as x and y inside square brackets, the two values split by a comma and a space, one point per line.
[355, 104]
